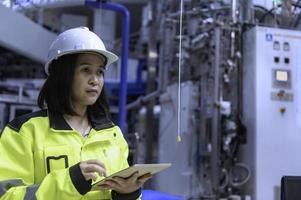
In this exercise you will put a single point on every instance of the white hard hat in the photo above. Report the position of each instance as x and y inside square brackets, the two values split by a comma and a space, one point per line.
[78, 40]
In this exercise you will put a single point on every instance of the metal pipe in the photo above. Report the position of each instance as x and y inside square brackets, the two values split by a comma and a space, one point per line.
[143, 100]
[234, 11]
[246, 10]
[198, 11]
[124, 55]
[216, 137]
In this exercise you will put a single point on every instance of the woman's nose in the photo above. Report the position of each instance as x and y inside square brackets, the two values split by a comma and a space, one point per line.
[94, 80]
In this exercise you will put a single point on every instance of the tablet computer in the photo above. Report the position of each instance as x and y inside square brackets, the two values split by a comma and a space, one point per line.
[141, 169]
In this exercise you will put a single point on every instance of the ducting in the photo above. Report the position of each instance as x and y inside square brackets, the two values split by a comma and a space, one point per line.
[44, 4]
[23, 36]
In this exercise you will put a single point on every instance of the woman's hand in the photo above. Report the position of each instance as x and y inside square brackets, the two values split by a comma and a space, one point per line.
[125, 185]
[89, 168]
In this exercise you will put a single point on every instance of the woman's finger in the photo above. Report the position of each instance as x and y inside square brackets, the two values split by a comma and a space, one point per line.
[119, 180]
[133, 179]
[89, 169]
[94, 168]
[144, 178]
[90, 176]
[113, 184]
[96, 162]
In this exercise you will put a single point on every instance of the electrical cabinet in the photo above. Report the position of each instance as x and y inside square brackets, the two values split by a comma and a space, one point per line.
[272, 108]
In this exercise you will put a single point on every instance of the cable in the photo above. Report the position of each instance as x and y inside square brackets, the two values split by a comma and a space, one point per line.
[179, 75]
[271, 11]
[267, 13]
[299, 16]
[262, 8]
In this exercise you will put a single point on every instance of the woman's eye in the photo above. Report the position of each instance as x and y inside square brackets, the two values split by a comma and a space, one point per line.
[100, 73]
[85, 69]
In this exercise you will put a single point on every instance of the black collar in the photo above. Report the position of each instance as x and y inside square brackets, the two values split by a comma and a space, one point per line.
[58, 122]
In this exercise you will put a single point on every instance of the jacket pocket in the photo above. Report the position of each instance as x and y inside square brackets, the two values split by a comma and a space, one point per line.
[57, 157]
[103, 147]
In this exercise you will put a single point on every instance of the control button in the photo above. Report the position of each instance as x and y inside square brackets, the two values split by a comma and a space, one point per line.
[276, 45]
[281, 93]
[286, 60]
[282, 110]
[286, 46]
[276, 59]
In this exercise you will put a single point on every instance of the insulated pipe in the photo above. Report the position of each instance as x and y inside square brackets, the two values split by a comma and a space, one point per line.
[234, 11]
[124, 55]
[246, 10]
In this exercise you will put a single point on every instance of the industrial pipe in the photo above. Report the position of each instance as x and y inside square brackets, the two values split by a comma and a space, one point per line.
[124, 55]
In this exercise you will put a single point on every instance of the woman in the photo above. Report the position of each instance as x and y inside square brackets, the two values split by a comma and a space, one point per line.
[55, 153]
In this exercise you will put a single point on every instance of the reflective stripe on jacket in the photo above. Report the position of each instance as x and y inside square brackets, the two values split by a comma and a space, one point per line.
[38, 149]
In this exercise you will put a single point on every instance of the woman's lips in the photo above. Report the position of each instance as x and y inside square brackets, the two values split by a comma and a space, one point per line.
[92, 92]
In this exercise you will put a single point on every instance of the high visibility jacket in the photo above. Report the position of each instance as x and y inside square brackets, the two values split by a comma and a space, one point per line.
[40, 155]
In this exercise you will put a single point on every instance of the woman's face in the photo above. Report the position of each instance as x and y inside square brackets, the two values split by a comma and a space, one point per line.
[88, 79]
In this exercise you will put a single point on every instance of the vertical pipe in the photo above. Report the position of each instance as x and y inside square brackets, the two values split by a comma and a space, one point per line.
[246, 11]
[216, 137]
[234, 11]
[151, 131]
[124, 55]
[250, 11]
[233, 33]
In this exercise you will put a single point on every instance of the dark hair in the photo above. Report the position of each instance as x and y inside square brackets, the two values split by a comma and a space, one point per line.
[56, 91]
